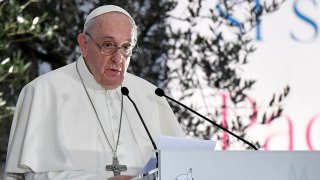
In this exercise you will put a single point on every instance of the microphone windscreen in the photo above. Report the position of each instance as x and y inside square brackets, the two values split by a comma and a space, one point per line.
[124, 91]
[159, 92]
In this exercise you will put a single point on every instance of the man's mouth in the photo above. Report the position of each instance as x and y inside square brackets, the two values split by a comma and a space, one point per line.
[115, 70]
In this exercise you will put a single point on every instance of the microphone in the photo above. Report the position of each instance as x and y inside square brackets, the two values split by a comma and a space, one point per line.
[161, 93]
[125, 92]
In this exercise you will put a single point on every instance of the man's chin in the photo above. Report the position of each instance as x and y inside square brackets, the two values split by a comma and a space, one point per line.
[112, 84]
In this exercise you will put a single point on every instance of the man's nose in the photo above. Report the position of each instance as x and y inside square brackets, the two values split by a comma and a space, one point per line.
[116, 56]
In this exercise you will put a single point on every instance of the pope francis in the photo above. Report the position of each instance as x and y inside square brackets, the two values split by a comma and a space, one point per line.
[74, 123]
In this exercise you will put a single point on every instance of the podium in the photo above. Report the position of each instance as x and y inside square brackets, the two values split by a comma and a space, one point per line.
[236, 165]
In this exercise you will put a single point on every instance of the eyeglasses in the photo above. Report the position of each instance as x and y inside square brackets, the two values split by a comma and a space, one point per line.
[108, 48]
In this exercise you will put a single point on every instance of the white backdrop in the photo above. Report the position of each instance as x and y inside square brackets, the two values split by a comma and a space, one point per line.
[288, 53]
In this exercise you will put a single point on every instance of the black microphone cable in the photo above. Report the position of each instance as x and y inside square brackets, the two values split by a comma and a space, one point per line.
[161, 93]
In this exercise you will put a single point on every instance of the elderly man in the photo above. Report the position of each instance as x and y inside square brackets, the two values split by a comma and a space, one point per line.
[74, 123]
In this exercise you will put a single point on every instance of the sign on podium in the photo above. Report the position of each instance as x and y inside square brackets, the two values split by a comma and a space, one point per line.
[206, 164]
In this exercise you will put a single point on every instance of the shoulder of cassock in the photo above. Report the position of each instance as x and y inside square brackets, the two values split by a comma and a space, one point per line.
[38, 109]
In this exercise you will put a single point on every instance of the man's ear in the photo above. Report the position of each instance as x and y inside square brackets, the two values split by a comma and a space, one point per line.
[83, 44]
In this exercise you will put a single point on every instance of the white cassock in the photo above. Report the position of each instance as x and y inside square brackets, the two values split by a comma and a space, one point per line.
[55, 132]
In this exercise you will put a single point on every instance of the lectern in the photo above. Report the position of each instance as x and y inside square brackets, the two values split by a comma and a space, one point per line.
[236, 165]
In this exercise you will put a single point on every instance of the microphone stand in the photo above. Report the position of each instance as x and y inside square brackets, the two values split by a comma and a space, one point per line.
[125, 92]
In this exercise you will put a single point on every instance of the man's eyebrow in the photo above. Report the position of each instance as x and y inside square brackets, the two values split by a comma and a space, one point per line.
[110, 37]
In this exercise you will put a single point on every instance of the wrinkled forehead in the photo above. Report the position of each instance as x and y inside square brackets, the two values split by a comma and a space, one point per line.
[103, 10]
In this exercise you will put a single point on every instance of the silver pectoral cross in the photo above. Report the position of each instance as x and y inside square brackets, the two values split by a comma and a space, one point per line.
[116, 167]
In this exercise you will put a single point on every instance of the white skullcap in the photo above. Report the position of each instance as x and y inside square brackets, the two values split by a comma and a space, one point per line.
[105, 9]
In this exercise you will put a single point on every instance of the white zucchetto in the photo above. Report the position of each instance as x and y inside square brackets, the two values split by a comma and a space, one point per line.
[105, 9]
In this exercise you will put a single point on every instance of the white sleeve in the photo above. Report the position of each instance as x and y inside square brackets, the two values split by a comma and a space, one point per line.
[62, 175]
